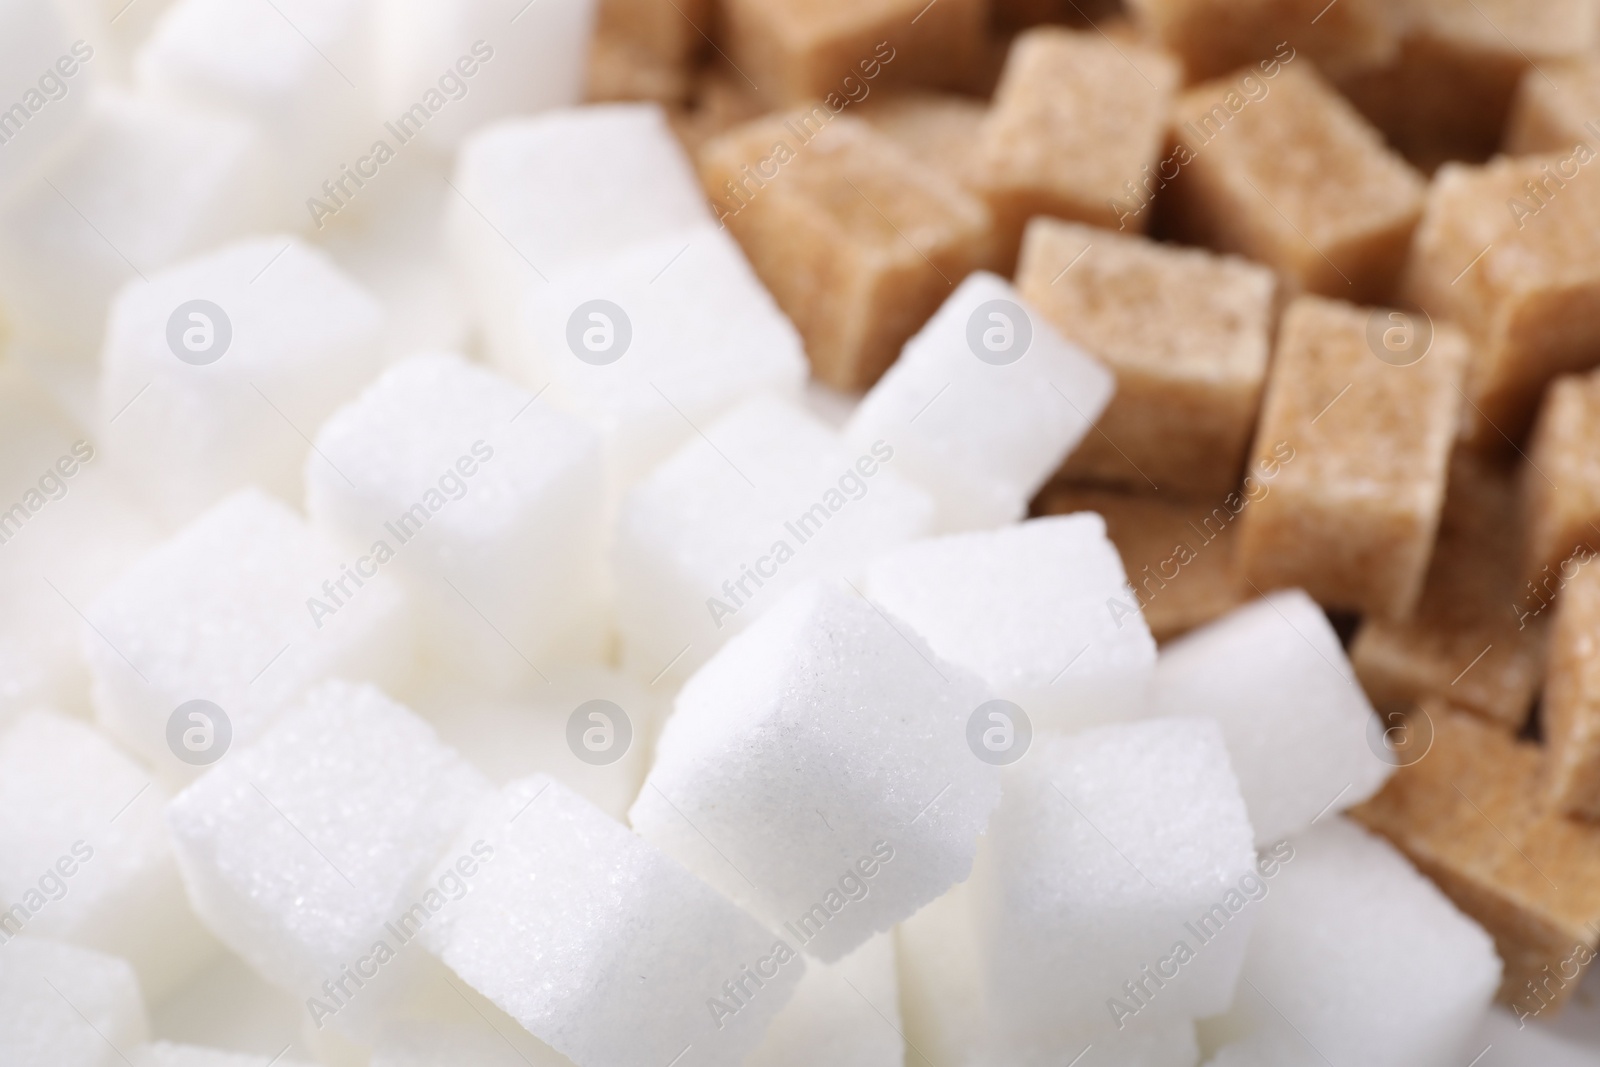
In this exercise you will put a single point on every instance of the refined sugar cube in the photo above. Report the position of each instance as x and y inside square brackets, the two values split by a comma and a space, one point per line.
[655, 340]
[308, 852]
[634, 961]
[1359, 448]
[167, 1054]
[1215, 36]
[817, 771]
[215, 371]
[1298, 726]
[1186, 333]
[1552, 112]
[45, 87]
[447, 1044]
[845, 1013]
[1041, 611]
[1560, 490]
[1401, 976]
[1571, 712]
[765, 498]
[235, 610]
[983, 405]
[67, 1005]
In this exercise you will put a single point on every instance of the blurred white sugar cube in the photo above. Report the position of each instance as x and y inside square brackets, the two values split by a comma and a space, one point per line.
[144, 184]
[764, 498]
[451, 1044]
[512, 58]
[1025, 608]
[45, 80]
[1357, 958]
[983, 404]
[535, 194]
[488, 504]
[817, 771]
[602, 946]
[84, 851]
[1299, 729]
[219, 613]
[300, 70]
[215, 371]
[844, 1014]
[67, 1006]
[168, 1054]
[306, 850]
[656, 339]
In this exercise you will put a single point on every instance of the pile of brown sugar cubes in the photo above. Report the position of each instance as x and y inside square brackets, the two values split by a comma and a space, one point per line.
[1343, 260]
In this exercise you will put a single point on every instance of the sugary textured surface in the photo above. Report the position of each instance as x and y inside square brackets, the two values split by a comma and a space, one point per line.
[1283, 170]
[1473, 816]
[487, 503]
[1552, 113]
[45, 86]
[701, 334]
[84, 850]
[1401, 976]
[1476, 637]
[303, 852]
[1028, 608]
[602, 946]
[219, 613]
[168, 1054]
[846, 1014]
[1571, 710]
[294, 339]
[67, 1005]
[1351, 519]
[1273, 676]
[1110, 849]
[857, 240]
[823, 751]
[1560, 488]
[983, 404]
[1215, 36]
[1187, 335]
[939, 129]
[766, 498]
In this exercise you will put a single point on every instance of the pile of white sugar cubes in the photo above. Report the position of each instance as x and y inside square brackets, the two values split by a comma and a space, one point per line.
[441, 625]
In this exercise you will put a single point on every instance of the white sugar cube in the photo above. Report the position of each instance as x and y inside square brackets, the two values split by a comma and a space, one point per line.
[817, 771]
[656, 339]
[1299, 728]
[845, 1014]
[214, 369]
[486, 504]
[602, 946]
[84, 852]
[67, 1006]
[167, 1054]
[1357, 958]
[536, 194]
[450, 1044]
[1026, 608]
[308, 853]
[45, 80]
[983, 404]
[229, 1005]
[765, 498]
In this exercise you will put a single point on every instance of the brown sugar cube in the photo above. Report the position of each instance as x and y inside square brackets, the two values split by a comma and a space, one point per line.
[1572, 699]
[1561, 483]
[1281, 169]
[1352, 518]
[1467, 641]
[721, 101]
[665, 32]
[620, 70]
[1178, 555]
[1470, 814]
[1187, 334]
[795, 50]
[1076, 121]
[1555, 108]
[858, 242]
[1507, 251]
[1215, 36]
[939, 130]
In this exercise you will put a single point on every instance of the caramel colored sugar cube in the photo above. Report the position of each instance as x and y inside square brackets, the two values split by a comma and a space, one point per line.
[1187, 334]
[1178, 555]
[1281, 169]
[1468, 641]
[1074, 119]
[1352, 518]
[1471, 815]
[667, 32]
[939, 130]
[1572, 698]
[796, 50]
[858, 242]
[1561, 483]
[1507, 250]
[620, 69]
[1215, 36]
[1555, 108]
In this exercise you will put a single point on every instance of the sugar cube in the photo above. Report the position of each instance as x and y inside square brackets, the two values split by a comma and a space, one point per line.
[765, 498]
[637, 961]
[1560, 486]
[669, 32]
[817, 771]
[939, 129]
[845, 1013]
[983, 404]
[228, 1005]
[228, 613]
[1041, 611]
[443, 1044]
[67, 1005]
[622, 68]
[1571, 695]
[216, 370]
[45, 88]
[1215, 36]
[1553, 108]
